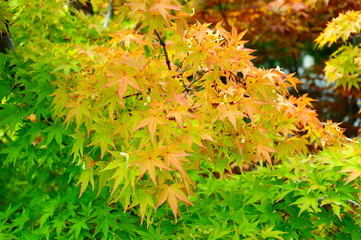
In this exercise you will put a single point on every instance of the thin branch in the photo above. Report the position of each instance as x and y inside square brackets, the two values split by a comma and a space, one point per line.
[295, 62]
[196, 79]
[164, 49]
[132, 95]
[238, 79]
[167, 59]
[109, 13]
[221, 10]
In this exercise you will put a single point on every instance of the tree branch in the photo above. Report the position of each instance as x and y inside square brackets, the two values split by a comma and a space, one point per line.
[221, 10]
[164, 49]
[109, 13]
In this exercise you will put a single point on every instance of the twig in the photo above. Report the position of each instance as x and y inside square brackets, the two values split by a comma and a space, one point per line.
[109, 13]
[195, 80]
[164, 49]
[132, 95]
[221, 10]
[238, 79]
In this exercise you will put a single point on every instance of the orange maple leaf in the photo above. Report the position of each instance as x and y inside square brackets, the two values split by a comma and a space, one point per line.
[174, 156]
[148, 160]
[231, 113]
[264, 151]
[179, 115]
[163, 7]
[171, 194]
[155, 117]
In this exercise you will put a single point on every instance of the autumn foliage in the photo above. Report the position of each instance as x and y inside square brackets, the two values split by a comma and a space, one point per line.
[286, 25]
[157, 115]
[172, 100]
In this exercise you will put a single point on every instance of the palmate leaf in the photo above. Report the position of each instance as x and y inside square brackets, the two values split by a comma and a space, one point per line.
[60, 223]
[264, 152]
[148, 161]
[174, 156]
[151, 119]
[77, 145]
[122, 83]
[180, 114]
[164, 6]
[353, 170]
[86, 177]
[231, 113]
[270, 233]
[101, 138]
[171, 194]
[176, 101]
[20, 221]
[78, 225]
[309, 202]
[118, 176]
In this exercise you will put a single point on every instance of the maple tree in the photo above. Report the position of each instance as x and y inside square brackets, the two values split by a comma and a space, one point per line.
[141, 117]
[170, 102]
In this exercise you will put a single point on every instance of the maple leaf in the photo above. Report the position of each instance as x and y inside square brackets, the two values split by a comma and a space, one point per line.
[174, 157]
[292, 80]
[179, 115]
[137, 5]
[231, 113]
[119, 175]
[250, 107]
[86, 176]
[341, 27]
[123, 82]
[235, 38]
[155, 118]
[145, 206]
[163, 7]
[126, 37]
[264, 151]
[77, 109]
[171, 194]
[148, 161]
[309, 201]
[354, 171]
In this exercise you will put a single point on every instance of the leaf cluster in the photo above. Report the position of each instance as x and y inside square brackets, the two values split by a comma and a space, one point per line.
[344, 67]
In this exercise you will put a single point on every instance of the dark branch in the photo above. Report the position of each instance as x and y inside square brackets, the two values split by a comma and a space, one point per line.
[132, 95]
[164, 49]
[221, 11]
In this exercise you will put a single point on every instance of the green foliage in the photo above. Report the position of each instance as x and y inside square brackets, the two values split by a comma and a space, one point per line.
[100, 131]
[304, 199]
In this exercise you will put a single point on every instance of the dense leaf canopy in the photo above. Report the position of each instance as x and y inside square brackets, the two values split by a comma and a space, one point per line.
[162, 119]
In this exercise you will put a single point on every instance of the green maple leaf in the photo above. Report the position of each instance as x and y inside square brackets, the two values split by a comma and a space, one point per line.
[78, 225]
[86, 177]
[309, 201]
